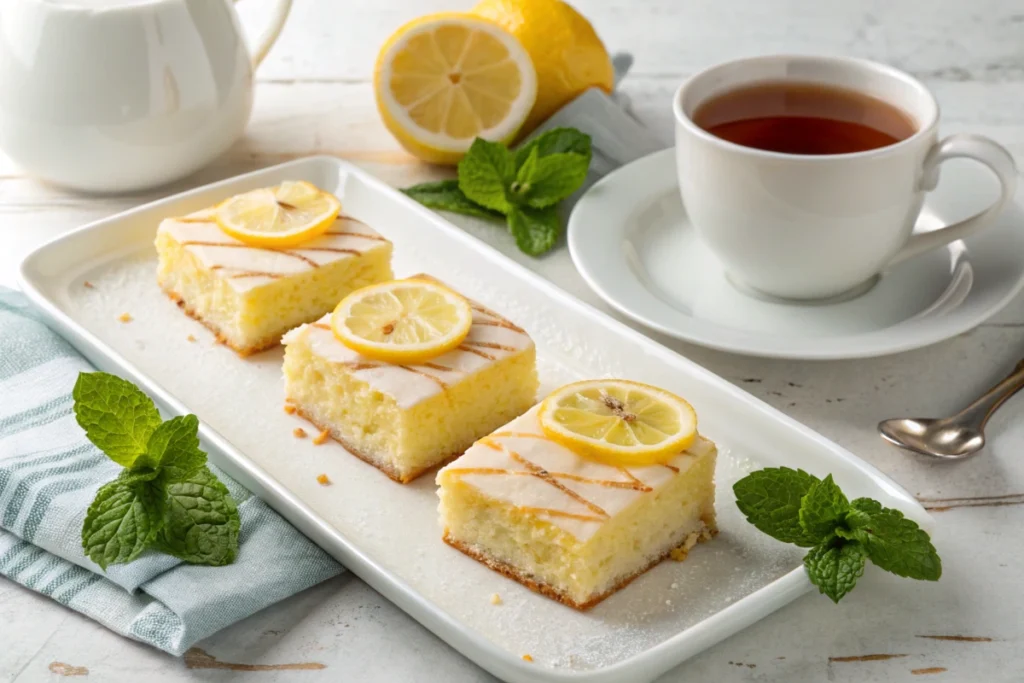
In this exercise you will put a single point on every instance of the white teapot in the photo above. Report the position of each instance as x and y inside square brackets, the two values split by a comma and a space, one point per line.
[121, 95]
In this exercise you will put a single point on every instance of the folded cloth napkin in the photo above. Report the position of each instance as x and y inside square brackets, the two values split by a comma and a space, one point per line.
[49, 473]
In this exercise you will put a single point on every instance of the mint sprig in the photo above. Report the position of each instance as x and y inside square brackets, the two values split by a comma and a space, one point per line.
[796, 507]
[166, 497]
[522, 187]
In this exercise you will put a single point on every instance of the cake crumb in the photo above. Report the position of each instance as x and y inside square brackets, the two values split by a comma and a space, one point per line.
[88, 285]
[125, 317]
[192, 338]
[495, 599]
[679, 554]
[299, 433]
[323, 480]
[289, 408]
[321, 437]
[675, 585]
[527, 658]
[668, 602]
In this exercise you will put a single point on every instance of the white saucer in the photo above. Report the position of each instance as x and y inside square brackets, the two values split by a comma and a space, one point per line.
[631, 241]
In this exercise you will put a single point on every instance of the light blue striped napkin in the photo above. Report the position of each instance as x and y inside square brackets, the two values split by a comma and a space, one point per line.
[49, 474]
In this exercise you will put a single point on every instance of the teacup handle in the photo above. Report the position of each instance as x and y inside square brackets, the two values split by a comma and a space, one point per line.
[270, 35]
[976, 147]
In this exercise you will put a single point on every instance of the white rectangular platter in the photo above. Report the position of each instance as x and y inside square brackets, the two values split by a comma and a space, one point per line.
[388, 534]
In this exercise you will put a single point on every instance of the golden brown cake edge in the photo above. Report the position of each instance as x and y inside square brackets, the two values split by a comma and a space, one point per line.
[549, 591]
[221, 339]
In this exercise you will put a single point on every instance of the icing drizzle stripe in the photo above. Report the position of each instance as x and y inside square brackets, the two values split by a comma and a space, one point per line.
[436, 366]
[202, 243]
[637, 486]
[497, 318]
[356, 366]
[336, 250]
[562, 513]
[440, 382]
[469, 349]
[546, 476]
[489, 345]
[375, 238]
[499, 323]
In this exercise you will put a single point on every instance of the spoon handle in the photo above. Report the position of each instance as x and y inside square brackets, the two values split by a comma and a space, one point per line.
[982, 409]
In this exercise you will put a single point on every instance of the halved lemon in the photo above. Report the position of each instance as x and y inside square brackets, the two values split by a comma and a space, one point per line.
[445, 79]
[283, 216]
[403, 321]
[619, 422]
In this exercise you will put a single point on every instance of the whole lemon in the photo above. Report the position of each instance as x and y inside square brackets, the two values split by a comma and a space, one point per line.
[565, 49]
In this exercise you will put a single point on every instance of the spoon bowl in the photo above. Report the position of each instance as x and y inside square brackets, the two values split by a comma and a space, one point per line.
[935, 438]
[959, 436]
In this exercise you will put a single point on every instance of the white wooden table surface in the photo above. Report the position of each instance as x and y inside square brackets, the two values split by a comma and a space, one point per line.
[314, 96]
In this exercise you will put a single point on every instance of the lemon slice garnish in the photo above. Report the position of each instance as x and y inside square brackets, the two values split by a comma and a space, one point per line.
[445, 79]
[619, 422]
[282, 216]
[403, 321]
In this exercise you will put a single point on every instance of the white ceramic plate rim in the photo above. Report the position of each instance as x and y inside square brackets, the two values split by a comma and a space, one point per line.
[596, 223]
[643, 666]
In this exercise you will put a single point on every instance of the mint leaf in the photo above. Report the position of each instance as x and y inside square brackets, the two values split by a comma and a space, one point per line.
[893, 542]
[139, 473]
[524, 173]
[834, 569]
[857, 516]
[535, 230]
[201, 523]
[486, 173]
[545, 181]
[555, 141]
[174, 449]
[771, 499]
[122, 521]
[866, 505]
[446, 196]
[823, 509]
[116, 416]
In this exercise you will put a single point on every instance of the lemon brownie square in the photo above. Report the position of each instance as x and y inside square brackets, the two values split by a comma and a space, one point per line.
[572, 528]
[407, 418]
[250, 296]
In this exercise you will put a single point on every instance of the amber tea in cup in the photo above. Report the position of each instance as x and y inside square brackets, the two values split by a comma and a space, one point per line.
[803, 119]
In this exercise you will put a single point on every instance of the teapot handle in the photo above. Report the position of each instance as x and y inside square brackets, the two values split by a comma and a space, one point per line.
[269, 36]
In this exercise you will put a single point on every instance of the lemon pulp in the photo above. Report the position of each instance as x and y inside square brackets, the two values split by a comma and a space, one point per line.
[619, 422]
[404, 321]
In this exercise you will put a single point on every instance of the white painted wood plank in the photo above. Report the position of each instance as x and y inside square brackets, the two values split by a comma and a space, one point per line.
[314, 97]
[946, 39]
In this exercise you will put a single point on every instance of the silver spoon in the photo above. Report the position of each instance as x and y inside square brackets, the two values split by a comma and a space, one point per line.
[956, 437]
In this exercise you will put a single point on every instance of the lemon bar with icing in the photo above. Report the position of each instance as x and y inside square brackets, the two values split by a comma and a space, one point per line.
[571, 528]
[250, 296]
[406, 418]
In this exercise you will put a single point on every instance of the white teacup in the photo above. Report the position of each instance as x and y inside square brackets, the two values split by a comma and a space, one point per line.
[813, 227]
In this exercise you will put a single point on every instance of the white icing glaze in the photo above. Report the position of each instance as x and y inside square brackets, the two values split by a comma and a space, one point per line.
[490, 339]
[246, 267]
[576, 494]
